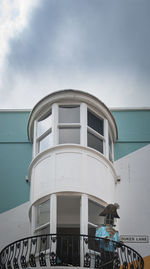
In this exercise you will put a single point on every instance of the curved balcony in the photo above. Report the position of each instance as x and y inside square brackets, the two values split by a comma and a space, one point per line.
[69, 250]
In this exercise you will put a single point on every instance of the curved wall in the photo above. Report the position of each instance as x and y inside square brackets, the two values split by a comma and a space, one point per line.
[72, 168]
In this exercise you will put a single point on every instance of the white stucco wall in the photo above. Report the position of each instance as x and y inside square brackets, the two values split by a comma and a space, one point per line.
[72, 168]
[14, 225]
[133, 196]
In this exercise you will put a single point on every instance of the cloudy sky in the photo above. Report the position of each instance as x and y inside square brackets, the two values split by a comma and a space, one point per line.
[99, 46]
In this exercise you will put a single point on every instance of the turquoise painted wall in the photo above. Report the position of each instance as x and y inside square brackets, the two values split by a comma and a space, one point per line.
[15, 157]
[16, 150]
[133, 131]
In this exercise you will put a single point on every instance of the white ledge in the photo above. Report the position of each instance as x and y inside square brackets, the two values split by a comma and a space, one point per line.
[71, 146]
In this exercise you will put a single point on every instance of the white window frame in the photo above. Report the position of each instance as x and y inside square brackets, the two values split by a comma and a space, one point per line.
[111, 152]
[68, 125]
[95, 133]
[36, 230]
[82, 125]
[38, 139]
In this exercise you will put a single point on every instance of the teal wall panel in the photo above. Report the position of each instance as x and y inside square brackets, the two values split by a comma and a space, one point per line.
[123, 149]
[133, 131]
[15, 157]
[13, 126]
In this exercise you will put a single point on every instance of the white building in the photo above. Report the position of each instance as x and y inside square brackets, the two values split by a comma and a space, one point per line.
[73, 176]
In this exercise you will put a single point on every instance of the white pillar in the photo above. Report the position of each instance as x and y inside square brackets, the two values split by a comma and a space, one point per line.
[83, 122]
[83, 226]
[32, 225]
[84, 214]
[53, 214]
[35, 146]
[53, 220]
[54, 124]
[106, 136]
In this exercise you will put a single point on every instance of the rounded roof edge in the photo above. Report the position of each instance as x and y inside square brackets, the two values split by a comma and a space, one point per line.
[62, 94]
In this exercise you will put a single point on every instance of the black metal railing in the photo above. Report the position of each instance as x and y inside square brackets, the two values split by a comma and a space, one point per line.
[69, 250]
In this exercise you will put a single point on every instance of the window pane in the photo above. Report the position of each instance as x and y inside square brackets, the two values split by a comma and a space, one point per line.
[95, 142]
[93, 214]
[69, 114]
[95, 123]
[69, 135]
[45, 143]
[110, 145]
[110, 149]
[68, 212]
[94, 210]
[43, 213]
[44, 244]
[44, 124]
[45, 230]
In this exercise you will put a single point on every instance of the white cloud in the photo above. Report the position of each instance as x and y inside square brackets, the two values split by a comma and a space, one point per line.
[73, 44]
[14, 16]
[114, 89]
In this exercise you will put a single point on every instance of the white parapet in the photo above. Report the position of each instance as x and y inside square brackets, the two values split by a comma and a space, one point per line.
[72, 168]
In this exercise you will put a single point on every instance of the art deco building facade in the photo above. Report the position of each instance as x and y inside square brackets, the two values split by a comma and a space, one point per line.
[84, 157]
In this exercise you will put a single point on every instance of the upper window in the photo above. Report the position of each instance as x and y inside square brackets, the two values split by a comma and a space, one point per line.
[44, 132]
[72, 127]
[95, 135]
[95, 123]
[69, 124]
[44, 123]
[69, 114]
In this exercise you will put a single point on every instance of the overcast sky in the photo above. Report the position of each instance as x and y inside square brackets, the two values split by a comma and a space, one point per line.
[98, 46]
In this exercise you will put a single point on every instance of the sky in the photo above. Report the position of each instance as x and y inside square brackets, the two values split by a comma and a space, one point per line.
[98, 46]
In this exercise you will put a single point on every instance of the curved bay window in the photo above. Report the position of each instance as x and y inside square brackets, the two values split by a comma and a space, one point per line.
[73, 124]
[70, 211]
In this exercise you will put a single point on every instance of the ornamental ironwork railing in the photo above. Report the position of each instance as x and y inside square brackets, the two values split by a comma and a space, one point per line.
[69, 250]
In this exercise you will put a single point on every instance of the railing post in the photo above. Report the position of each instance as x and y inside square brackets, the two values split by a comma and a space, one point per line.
[53, 221]
[83, 225]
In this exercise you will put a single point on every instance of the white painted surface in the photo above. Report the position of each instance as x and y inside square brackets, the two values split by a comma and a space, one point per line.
[133, 196]
[14, 225]
[72, 168]
[70, 97]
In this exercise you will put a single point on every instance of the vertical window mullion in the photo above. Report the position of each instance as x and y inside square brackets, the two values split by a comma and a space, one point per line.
[33, 217]
[35, 147]
[84, 214]
[55, 129]
[53, 214]
[83, 122]
[106, 136]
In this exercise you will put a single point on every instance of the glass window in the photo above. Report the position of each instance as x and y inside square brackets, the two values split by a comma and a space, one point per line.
[69, 135]
[45, 143]
[95, 123]
[69, 114]
[110, 150]
[110, 145]
[94, 220]
[43, 213]
[95, 142]
[68, 213]
[45, 230]
[94, 211]
[44, 124]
